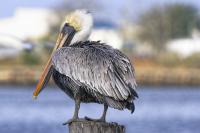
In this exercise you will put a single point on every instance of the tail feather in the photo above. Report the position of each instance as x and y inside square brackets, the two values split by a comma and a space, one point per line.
[131, 107]
[120, 105]
[134, 93]
[114, 104]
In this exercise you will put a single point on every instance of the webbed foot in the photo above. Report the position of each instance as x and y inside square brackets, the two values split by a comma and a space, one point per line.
[73, 120]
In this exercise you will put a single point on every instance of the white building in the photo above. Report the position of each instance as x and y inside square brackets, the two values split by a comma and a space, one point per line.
[109, 36]
[185, 46]
[28, 23]
[11, 46]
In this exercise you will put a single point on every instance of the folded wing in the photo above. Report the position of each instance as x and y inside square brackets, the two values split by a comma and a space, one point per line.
[98, 67]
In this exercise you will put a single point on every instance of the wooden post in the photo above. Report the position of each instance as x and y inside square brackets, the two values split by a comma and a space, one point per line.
[95, 127]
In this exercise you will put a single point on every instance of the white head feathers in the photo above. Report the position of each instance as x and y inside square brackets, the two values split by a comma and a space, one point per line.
[82, 22]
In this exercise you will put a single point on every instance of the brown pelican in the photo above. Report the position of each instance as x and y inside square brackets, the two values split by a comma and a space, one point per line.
[89, 71]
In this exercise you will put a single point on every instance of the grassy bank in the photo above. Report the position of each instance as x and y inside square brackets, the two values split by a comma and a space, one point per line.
[145, 75]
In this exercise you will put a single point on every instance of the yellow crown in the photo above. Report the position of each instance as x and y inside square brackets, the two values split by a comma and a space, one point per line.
[74, 21]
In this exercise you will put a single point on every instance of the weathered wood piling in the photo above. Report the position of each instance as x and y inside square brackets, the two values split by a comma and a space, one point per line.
[95, 127]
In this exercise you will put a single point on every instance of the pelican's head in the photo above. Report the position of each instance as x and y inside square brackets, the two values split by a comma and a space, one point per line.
[82, 22]
[76, 27]
[79, 19]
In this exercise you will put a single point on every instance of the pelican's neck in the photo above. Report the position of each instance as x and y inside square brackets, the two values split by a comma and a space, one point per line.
[83, 34]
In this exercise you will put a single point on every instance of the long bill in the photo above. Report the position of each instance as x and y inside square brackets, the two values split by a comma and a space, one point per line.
[64, 38]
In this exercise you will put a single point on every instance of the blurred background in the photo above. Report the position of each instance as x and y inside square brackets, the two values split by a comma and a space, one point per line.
[161, 38]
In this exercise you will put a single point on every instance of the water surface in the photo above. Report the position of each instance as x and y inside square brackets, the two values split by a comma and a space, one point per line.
[160, 110]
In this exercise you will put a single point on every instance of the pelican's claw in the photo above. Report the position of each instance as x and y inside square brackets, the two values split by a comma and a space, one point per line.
[73, 120]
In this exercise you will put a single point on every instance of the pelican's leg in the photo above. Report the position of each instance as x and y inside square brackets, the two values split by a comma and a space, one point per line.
[103, 117]
[77, 107]
[75, 116]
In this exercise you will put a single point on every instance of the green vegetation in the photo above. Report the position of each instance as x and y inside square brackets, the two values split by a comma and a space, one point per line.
[168, 59]
[161, 24]
[182, 20]
[30, 58]
[192, 61]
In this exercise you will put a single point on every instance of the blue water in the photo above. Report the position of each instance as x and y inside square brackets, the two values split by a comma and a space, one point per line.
[160, 110]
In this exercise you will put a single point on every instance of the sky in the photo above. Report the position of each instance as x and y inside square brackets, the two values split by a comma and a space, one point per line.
[111, 9]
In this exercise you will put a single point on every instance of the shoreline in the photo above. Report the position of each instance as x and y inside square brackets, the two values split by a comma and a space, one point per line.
[151, 76]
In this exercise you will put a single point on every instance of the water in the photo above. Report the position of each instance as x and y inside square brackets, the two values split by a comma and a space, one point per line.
[160, 110]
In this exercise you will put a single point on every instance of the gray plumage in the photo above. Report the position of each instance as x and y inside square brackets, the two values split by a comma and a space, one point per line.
[103, 73]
